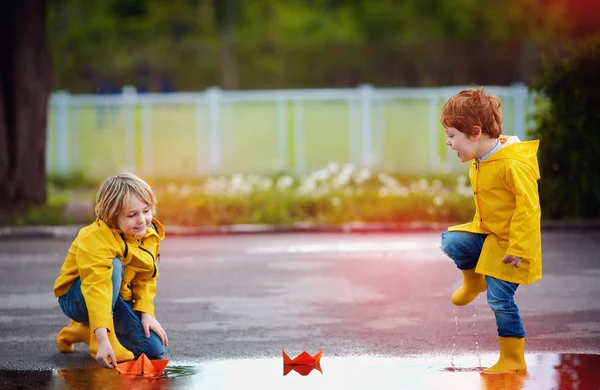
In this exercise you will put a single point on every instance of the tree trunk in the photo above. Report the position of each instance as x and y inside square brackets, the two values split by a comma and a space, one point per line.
[25, 81]
[228, 58]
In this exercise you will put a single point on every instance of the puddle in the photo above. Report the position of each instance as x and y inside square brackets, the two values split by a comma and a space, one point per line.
[545, 372]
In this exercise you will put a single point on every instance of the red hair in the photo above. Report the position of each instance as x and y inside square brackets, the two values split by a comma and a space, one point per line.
[473, 107]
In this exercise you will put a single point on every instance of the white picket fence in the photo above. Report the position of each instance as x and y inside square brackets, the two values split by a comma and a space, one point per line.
[220, 132]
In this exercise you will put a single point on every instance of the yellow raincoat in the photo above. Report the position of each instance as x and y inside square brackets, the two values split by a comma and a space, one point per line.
[90, 258]
[507, 209]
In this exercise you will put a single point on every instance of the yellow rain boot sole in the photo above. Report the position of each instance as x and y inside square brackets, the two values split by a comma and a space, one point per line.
[74, 333]
[473, 285]
[512, 357]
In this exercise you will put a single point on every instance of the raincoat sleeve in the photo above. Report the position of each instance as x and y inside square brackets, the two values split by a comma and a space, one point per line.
[144, 291]
[94, 257]
[525, 223]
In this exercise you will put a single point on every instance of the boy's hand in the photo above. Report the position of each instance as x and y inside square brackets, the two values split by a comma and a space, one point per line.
[512, 260]
[151, 324]
[105, 355]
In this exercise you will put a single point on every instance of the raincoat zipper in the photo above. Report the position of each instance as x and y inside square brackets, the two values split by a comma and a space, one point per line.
[477, 193]
[153, 260]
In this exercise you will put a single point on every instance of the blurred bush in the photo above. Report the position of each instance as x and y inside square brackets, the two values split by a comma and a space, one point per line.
[568, 132]
[330, 196]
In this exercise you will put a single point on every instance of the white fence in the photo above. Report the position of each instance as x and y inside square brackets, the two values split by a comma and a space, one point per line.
[219, 132]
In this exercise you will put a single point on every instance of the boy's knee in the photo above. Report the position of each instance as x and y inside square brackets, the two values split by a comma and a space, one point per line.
[154, 347]
[450, 244]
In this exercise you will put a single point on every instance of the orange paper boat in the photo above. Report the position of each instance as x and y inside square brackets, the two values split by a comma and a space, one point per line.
[301, 369]
[303, 359]
[143, 366]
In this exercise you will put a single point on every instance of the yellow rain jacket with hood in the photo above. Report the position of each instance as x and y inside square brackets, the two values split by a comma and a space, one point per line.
[90, 258]
[507, 209]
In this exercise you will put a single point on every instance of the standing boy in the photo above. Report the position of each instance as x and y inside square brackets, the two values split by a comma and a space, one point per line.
[501, 248]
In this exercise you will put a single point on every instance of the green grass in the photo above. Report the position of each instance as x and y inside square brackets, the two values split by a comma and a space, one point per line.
[96, 143]
[180, 147]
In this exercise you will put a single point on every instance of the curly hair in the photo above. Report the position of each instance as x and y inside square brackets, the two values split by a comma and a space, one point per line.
[473, 107]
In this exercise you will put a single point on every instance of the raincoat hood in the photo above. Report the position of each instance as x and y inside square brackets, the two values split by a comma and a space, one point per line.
[523, 151]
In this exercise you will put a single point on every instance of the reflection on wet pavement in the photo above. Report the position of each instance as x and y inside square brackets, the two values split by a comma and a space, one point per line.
[545, 372]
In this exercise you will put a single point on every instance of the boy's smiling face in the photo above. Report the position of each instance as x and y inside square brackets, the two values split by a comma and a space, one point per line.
[465, 146]
[135, 218]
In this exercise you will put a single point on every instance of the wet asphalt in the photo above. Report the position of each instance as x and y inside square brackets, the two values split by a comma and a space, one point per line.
[231, 301]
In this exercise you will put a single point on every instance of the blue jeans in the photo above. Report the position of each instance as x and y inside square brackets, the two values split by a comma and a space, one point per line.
[464, 249]
[128, 323]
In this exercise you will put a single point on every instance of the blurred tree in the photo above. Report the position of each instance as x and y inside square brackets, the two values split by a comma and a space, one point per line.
[569, 148]
[229, 14]
[25, 81]
[295, 43]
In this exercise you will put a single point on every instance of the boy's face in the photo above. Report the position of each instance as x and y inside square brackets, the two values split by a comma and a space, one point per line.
[135, 217]
[465, 146]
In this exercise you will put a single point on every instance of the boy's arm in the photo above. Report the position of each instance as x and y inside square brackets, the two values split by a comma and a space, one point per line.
[144, 291]
[525, 222]
[94, 260]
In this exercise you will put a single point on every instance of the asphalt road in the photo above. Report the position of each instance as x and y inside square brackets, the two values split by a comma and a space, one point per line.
[250, 296]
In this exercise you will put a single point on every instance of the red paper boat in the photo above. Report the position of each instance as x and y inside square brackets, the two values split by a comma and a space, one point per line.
[143, 366]
[303, 359]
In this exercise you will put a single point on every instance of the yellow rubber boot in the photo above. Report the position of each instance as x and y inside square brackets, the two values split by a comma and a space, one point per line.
[75, 332]
[122, 354]
[512, 357]
[473, 284]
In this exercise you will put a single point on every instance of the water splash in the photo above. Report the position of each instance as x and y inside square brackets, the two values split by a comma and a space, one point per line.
[475, 341]
[464, 369]
[456, 333]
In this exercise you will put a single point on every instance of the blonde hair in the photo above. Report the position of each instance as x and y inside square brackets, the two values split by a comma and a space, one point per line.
[114, 194]
[473, 107]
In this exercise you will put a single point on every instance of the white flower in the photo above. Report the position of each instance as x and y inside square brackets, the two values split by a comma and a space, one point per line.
[216, 186]
[265, 184]
[323, 190]
[307, 186]
[348, 168]
[333, 168]
[239, 185]
[284, 182]
[362, 175]
[438, 201]
[320, 175]
[340, 180]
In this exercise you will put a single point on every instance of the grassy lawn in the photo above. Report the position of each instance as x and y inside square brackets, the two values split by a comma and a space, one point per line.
[177, 142]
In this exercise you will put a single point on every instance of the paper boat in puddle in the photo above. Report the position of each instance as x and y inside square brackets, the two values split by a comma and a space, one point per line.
[143, 366]
[303, 359]
[303, 370]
